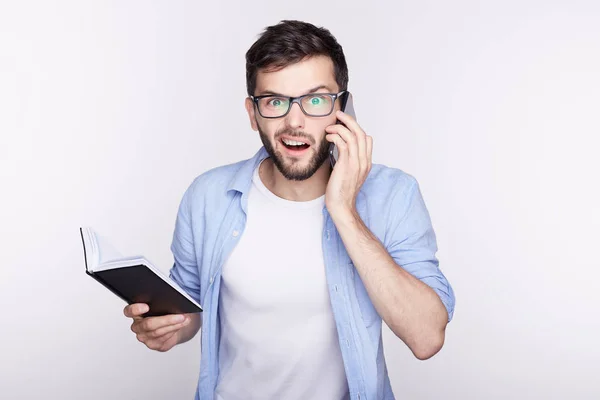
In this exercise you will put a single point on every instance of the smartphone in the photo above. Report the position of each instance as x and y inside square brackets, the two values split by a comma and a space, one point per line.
[347, 106]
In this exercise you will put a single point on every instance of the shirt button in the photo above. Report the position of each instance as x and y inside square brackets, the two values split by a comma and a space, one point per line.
[328, 234]
[236, 233]
[212, 279]
[347, 343]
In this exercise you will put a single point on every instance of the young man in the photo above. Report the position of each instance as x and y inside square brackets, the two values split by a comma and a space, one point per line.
[297, 264]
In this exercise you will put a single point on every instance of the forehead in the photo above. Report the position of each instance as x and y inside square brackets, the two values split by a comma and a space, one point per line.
[296, 79]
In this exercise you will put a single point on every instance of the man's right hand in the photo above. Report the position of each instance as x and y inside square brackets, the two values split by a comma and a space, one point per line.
[157, 333]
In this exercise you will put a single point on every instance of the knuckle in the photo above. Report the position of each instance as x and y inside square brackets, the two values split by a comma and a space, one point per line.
[155, 334]
[144, 326]
[152, 345]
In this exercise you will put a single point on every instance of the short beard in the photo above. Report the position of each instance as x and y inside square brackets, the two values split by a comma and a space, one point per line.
[288, 171]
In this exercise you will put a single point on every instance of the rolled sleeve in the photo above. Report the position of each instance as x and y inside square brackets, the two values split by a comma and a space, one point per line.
[412, 243]
[185, 267]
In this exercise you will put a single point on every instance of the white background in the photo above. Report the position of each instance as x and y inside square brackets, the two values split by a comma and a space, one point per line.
[108, 110]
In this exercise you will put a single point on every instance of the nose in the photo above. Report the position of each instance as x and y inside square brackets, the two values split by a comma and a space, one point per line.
[295, 118]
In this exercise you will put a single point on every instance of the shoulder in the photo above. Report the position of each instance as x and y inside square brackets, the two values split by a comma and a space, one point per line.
[388, 182]
[390, 196]
[215, 181]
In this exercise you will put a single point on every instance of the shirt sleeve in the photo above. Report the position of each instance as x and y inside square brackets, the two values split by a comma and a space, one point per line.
[412, 243]
[185, 267]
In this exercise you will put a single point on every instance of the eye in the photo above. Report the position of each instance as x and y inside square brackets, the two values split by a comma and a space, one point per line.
[276, 102]
[318, 101]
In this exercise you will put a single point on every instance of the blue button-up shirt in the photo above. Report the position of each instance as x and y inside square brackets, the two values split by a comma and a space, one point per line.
[211, 219]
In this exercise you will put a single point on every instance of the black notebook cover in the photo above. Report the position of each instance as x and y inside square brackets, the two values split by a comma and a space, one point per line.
[138, 284]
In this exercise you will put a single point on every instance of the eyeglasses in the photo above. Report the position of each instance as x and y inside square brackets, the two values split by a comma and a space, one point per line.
[313, 104]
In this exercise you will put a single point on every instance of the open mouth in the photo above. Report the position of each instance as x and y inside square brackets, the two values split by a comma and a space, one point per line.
[294, 145]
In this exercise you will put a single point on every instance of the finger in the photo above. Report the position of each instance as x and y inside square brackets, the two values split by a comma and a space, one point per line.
[136, 325]
[141, 337]
[350, 123]
[154, 323]
[159, 344]
[341, 145]
[347, 119]
[343, 131]
[359, 134]
[158, 333]
[135, 310]
[350, 140]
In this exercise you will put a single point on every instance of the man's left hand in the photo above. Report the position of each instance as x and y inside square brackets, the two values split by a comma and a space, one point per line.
[353, 166]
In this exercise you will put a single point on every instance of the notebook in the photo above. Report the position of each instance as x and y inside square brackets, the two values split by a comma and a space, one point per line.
[133, 279]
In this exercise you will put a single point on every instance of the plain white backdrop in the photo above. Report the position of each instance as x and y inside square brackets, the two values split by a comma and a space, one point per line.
[108, 110]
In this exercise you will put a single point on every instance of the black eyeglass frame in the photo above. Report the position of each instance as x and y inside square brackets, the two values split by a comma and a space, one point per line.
[298, 100]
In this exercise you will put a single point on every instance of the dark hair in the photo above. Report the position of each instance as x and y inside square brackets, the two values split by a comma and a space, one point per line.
[289, 42]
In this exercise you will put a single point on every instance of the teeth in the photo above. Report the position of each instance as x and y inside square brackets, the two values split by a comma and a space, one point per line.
[293, 142]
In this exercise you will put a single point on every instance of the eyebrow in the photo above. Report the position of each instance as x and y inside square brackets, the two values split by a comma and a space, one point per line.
[313, 90]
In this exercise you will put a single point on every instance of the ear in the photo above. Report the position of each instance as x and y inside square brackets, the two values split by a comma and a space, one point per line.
[251, 113]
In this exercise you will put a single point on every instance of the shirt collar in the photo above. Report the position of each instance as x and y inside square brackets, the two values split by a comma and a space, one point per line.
[243, 177]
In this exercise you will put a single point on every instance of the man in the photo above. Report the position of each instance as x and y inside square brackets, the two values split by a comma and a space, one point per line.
[296, 264]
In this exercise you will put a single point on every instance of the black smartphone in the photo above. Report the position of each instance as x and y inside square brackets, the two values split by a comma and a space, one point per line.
[347, 106]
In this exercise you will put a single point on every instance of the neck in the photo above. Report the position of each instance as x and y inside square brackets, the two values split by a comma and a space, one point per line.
[306, 190]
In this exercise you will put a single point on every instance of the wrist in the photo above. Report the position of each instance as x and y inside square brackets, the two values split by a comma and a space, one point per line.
[343, 214]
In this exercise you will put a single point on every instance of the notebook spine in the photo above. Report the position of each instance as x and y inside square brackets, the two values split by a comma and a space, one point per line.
[84, 251]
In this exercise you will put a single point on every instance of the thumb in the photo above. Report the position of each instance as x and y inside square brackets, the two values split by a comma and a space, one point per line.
[136, 310]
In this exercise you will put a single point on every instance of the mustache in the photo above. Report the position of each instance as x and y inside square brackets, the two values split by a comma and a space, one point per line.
[295, 135]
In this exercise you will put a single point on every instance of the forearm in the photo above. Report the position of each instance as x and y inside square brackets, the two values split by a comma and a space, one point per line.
[412, 310]
[189, 331]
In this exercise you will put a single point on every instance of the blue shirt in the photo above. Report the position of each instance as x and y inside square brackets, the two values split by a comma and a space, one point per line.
[211, 220]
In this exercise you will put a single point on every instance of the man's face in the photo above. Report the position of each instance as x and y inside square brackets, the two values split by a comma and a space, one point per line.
[313, 75]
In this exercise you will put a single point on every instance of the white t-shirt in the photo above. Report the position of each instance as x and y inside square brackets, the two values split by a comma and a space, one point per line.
[278, 335]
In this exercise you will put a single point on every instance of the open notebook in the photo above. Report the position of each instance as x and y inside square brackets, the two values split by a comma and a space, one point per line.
[133, 279]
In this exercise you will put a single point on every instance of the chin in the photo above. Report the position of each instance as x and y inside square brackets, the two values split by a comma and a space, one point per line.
[296, 168]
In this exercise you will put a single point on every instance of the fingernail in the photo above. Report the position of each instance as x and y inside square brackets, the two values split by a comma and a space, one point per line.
[145, 308]
[180, 318]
